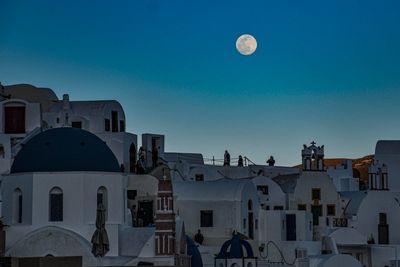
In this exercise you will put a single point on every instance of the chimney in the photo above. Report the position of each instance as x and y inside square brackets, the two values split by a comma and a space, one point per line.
[66, 104]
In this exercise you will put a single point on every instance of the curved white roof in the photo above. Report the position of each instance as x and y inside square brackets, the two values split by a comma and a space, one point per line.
[348, 236]
[87, 107]
[354, 198]
[223, 189]
[45, 96]
[387, 147]
[334, 260]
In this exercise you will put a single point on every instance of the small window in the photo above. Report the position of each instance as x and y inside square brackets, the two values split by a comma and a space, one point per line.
[102, 198]
[76, 124]
[330, 210]
[2, 152]
[58, 120]
[267, 207]
[131, 194]
[199, 177]
[122, 126]
[278, 207]
[244, 223]
[17, 206]
[114, 121]
[107, 125]
[302, 207]
[316, 194]
[263, 189]
[56, 205]
[206, 218]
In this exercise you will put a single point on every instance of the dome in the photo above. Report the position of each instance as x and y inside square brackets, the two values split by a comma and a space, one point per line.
[65, 149]
[235, 246]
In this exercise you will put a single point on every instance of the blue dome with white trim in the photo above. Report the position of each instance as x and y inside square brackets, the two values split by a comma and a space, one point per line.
[233, 248]
[65, 149]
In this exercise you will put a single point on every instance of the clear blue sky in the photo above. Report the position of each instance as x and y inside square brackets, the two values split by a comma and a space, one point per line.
[327, 71]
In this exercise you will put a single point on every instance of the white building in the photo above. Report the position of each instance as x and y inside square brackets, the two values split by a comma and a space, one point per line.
[57, 180]
[218, 208]
[342, 177]
[388, 153]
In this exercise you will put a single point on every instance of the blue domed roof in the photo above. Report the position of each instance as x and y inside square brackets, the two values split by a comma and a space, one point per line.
[235, 246]
[194, 252]
[65, 149]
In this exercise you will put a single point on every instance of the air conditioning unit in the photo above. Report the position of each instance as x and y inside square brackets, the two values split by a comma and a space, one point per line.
[301, 253]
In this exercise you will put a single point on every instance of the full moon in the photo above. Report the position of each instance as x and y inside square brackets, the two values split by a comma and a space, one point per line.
[246, 44]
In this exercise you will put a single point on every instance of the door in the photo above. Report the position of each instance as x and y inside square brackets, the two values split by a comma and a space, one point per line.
[14, 120]
[251, 225]
[145, 213]
[291, 227]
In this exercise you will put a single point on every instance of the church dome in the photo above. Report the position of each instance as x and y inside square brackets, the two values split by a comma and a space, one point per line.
[233, 248]
[65, 149]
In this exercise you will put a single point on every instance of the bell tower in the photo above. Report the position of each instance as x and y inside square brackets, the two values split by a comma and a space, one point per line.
[378, 176]
[313, 157]
[165, 218]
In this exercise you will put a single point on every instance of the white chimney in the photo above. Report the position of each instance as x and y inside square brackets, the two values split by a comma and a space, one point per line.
[66, 104]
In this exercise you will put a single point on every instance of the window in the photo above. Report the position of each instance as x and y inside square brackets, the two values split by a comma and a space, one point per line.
[102, 198]
[278, 207]
[114, 121]
[76, 124]
[56, 205]
[199, 177]
[2, 152]
[58, 120]
[330, 210]
[244, 223]
[316, 194]
[122, 126]
[131, 194]
[206, 218]
[302, 207]
[263, 189]
[17, 206]
[107, 125]
[14, 119]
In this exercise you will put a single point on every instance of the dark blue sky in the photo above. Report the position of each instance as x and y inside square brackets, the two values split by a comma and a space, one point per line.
[327, 71]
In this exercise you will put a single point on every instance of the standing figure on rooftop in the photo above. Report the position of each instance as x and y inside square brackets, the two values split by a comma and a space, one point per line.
[227, 158]
[199, 238]
[240, 161]
[271, 161]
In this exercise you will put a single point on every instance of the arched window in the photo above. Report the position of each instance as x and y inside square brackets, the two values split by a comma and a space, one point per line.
[250, 205]
[102, 198]
[17, 206]
[56, 205]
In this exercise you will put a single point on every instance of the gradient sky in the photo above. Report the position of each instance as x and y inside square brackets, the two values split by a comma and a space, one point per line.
[327, 71]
